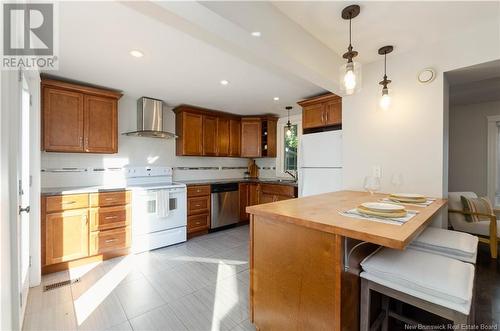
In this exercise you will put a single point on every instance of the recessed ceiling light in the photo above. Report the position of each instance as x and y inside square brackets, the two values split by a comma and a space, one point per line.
[136, 53]
[224, 82]
[276, 98]
[256, 34]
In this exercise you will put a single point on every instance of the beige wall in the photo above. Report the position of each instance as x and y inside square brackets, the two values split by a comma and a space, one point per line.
[468, 146]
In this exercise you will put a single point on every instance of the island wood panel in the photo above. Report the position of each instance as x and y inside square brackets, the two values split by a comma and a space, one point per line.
[210, 135]
[295, 277]
[62, 120]
[223, 136]
[235, 137]
[101, 125]
[321, 212]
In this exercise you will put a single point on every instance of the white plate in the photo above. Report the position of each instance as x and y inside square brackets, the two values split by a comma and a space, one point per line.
[383, 207]
[408, 195]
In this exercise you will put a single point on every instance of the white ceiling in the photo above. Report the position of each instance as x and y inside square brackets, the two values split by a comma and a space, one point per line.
[95, 41]
[404, 24]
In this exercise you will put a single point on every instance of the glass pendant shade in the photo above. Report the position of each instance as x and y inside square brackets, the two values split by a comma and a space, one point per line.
[350, 77]
[385, 100]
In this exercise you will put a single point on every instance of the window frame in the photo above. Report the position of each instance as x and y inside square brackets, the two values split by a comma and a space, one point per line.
[280, 144]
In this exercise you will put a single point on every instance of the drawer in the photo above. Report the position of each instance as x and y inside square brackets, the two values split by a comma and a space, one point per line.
[198, 205]
[109, 198]
[109, 217]
[276, 189]
[198, 223]
[198, 190]
[66, 202]
[109, 240]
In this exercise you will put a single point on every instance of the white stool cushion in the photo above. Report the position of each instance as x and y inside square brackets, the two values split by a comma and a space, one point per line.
[433, 278]
[454, 244]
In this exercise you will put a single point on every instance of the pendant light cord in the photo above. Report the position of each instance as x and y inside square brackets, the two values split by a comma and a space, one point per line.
[385, 65]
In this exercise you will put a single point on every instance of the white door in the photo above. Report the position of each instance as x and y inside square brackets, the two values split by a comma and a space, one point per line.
[23, 176]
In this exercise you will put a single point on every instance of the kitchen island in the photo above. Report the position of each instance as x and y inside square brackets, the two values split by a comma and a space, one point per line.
[298, 279]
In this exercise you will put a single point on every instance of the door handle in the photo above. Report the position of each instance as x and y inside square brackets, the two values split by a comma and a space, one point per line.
[24, 210]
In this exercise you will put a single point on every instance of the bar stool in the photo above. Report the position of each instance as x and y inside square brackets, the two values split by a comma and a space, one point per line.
[457, 245]
[435, 283]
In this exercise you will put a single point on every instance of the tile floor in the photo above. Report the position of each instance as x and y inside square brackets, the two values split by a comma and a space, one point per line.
[198, 285]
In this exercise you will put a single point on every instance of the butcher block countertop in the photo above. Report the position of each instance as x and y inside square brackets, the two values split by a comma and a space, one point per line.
[321, 212]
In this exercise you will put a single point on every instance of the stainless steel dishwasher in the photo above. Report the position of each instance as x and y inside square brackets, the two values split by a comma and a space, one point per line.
[225, 204]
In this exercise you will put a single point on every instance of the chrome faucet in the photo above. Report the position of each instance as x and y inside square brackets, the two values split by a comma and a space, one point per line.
[295, 175]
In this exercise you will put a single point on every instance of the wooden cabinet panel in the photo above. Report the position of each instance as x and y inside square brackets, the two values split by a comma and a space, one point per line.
[223, 136]
[109, 240]
[198, 190]
[67, 236]
[243, 197]
[253, 194]
[276, 189]
[105, 218]
[234, 137]
[197, 223]
[62, 120]
[266, 198]
[198, 205]
[66, 202]
[271, 138]
[190, 132]
[103, 199]
[101, 125]
[209, 135]
[251, 137]
[333, 112]
[313, 116]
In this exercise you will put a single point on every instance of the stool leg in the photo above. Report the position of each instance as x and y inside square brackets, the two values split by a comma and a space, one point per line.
[364, 314]
[385, 308]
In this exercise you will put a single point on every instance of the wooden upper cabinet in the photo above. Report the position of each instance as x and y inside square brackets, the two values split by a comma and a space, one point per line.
[333, 112]
[234, 137]
[101, 125]
[251, 132]
[78, 118]
[210, 135]
[269, 148]
[189, 127]
[313, 116]
[66, 236]
[223, 136]
[321, 112]
[62, 120]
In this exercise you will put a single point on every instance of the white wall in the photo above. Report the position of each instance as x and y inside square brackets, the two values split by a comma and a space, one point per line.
[137, 151]
[409, 138]
[468, 146]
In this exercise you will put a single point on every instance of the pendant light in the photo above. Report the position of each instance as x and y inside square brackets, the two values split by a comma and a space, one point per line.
[288, 124]
[350, 73]
[385, 99]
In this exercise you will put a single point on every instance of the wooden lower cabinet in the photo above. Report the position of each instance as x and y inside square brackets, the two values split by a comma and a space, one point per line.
[80, 228]
[198, 209]
[243, 193]
[66, 235]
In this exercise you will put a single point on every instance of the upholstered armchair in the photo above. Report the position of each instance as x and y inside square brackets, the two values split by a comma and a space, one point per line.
[487, 231]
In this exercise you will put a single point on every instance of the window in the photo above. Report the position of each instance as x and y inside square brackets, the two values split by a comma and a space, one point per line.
[290, 148]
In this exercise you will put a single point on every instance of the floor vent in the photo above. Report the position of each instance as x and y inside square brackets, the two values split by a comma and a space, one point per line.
[60, 284]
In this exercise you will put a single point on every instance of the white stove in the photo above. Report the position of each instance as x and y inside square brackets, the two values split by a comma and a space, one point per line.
[159, 208]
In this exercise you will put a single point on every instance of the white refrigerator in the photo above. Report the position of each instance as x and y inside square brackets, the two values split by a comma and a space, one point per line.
[320, 163]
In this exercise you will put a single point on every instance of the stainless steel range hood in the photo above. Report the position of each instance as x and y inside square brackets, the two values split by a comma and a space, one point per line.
[150, 120]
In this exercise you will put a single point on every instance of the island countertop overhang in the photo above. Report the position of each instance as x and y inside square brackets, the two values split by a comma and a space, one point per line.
[321, 212]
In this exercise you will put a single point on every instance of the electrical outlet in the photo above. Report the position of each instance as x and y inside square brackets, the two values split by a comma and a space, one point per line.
[377, 171]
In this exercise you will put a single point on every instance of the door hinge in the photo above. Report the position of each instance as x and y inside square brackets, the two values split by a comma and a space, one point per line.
[20, 299]
[31, 180]
[19, 75]
[31, 100]
[30, 261]
[21, 187]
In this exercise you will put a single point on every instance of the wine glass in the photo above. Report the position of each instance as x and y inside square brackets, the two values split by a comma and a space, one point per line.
[397, 181]
[372, 184]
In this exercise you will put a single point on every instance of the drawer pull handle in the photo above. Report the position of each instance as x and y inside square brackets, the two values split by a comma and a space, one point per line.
[198, 191]
[198, 205]
[110, 217]
[109, 199]
[110, 241]
[68, 202]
